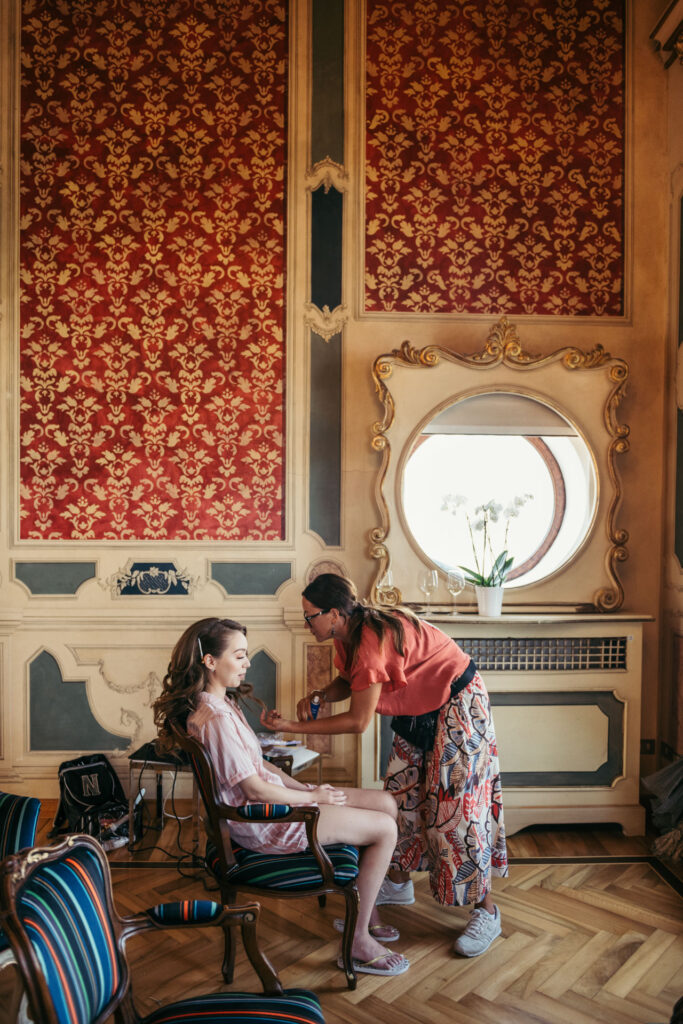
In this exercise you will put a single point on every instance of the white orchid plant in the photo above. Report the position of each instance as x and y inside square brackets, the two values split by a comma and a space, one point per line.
[491, 569]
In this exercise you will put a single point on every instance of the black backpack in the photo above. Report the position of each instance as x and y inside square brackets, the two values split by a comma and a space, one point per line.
[91, 800]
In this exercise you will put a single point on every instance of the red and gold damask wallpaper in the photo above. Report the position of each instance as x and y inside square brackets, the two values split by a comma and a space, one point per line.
[153, 151]
[495, 157]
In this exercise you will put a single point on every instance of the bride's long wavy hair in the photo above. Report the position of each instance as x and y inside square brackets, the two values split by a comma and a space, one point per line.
[328, 590]
[187, 676]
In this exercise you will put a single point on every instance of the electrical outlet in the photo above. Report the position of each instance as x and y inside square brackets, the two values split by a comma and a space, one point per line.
[647, 747]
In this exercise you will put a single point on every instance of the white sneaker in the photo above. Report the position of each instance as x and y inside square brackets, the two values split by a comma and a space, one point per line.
[482, 928]
[395, 892]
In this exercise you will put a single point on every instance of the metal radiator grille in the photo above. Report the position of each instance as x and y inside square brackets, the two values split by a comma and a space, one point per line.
[547, 654]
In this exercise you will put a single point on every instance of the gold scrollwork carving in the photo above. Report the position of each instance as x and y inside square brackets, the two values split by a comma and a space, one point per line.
[503, 347]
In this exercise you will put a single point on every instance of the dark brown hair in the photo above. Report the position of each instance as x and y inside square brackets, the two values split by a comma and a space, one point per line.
[328, 590]
[187, 675]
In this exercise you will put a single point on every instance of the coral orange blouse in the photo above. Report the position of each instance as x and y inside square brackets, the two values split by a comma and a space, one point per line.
[412, 684]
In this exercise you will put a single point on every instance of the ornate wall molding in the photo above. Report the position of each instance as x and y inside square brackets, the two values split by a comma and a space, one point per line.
[329, 174]
[151, 579]
[503, 352]
[325, 322]
[667, 35]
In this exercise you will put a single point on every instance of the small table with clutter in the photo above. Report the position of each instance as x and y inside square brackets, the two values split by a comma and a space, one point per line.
[290, 755]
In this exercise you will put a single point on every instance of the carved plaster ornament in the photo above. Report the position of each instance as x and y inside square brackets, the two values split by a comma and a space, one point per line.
[325, 322]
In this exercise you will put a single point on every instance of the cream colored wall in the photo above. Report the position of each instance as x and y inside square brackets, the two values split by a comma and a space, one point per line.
[121, 646]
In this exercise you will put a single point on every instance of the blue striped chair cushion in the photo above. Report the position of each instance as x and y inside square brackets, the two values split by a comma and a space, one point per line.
[263, 810]
[64, 912]
[185, 912]
[293, 872]
[294, 1006]
[18, 822]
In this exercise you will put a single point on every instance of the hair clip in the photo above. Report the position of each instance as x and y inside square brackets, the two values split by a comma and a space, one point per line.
[201, 652]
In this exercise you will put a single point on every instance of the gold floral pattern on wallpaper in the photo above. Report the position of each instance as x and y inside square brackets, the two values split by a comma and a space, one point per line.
[152, 269]
[495, 157]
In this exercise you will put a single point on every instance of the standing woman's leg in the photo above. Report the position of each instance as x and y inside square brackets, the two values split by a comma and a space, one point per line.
[464, 771]
[404, 781]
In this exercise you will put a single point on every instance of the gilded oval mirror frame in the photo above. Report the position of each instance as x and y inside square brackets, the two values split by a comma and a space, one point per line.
[589, 580]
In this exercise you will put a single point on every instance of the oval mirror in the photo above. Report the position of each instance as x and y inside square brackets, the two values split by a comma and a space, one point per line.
[498, 471]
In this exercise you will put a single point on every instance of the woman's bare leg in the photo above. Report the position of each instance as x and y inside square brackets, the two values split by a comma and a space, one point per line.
[372, 799]
[375, 833]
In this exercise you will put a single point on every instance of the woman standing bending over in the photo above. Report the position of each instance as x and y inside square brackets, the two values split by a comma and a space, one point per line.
[205, 678]
[443, 771]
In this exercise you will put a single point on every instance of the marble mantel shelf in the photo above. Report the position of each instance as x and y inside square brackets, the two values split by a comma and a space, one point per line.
[517, 617]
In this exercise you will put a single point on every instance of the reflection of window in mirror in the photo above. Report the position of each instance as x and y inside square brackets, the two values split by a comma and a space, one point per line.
[500, 446]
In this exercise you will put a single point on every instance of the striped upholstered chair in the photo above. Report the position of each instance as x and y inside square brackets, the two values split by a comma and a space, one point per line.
[57, 908]
[314, 872]
[18, 824]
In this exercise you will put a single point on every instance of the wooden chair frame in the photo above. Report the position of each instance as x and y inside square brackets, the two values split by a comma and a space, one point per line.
[216, 823]
[15, 870]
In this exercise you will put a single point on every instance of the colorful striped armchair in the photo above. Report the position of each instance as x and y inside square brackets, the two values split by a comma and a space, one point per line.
[18, 825]
[57, 907]
[314, 872]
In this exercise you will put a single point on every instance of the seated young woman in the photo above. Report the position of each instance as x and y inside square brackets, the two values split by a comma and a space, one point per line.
[201, 692]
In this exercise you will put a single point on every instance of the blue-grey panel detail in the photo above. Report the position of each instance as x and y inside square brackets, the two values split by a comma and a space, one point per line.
[324, 497]
[326, 247]
[386, 739]
[152, 579]
[327, 113]
[606, 773]
[251, 577]
[61, 717]
[262, 676]
[54, 577]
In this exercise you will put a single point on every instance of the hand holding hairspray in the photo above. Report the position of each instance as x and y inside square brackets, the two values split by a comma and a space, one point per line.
[315, 705]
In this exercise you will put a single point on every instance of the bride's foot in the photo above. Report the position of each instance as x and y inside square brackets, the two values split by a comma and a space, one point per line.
[369, 949]
[383, 962]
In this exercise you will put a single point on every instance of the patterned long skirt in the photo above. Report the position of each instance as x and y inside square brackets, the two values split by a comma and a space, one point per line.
[450, 808]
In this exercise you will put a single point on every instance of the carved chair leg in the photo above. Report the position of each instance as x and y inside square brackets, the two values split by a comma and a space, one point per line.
[229, 898]
[352, 903]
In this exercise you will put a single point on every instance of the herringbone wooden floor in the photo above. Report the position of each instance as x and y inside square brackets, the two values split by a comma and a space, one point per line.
[592, 934]
[581, 944]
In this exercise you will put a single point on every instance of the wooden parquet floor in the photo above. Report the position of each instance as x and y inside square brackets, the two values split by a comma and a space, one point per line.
[592, 934]
[582, 943]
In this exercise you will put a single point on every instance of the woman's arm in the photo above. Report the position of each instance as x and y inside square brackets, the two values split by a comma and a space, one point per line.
[355, 720]
[288, 781]
[257, 790]
[338, 689]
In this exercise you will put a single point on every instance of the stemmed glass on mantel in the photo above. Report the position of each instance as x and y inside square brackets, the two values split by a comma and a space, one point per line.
[455, 584]
[427, 581]
[385, 587]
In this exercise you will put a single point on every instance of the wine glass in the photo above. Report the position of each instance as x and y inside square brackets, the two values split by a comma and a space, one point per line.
[385, 587]
[455, 584]
[427, 580]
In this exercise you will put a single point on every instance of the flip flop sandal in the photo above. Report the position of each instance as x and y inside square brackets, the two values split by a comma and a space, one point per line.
[368, 966]
[391, 934]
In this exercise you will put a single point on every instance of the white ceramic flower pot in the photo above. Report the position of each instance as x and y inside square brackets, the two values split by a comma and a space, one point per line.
[489, 600]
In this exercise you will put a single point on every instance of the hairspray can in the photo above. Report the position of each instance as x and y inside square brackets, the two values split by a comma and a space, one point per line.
[315, 705]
